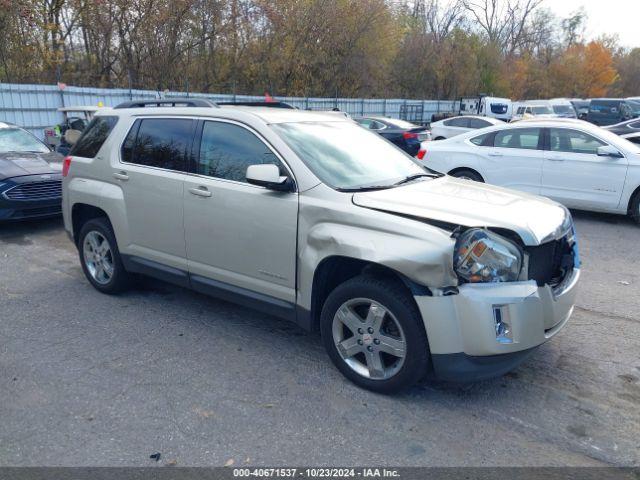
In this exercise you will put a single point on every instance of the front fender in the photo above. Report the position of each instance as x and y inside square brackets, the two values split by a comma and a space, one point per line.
[421, 252]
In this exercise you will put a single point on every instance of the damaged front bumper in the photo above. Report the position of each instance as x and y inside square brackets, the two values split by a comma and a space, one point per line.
[485, 330]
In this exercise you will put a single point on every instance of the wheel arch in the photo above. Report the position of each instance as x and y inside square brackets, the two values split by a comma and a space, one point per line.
[81, 213]
[337, 269]
[635, 194]
[460, 169]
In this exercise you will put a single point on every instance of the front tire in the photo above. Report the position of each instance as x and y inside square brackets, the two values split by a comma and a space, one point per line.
[374, 334]
[100, 257]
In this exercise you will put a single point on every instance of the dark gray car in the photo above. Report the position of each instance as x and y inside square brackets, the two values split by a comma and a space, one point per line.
[30, 176]
[625, 128]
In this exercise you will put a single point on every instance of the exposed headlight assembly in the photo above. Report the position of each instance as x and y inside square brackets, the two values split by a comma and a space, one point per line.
[482, 256]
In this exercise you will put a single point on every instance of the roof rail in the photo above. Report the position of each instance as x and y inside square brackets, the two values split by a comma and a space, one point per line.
[258, 104]
[168, 102]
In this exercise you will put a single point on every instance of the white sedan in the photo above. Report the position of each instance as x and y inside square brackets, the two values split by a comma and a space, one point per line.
[450, 127]
[572, 162]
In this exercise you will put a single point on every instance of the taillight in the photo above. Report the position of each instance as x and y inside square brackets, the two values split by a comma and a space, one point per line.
[409, 135]
[66, 163]
[421, 154]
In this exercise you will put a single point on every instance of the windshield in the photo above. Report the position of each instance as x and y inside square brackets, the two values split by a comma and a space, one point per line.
[346, 156]
[563, 109]
[635, 107]
[542, 110]
[18, 140]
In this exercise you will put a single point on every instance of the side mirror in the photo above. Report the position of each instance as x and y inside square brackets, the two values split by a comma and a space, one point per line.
[268, 176]
[609, 151]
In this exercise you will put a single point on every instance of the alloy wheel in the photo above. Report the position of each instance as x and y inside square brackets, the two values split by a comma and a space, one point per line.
[98, 257]
[369, 338]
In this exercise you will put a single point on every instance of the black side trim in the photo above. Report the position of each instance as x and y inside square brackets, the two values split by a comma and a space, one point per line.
[156, 270]
[242, 296]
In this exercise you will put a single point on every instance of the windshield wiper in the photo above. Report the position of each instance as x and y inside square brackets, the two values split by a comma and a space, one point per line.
[414, 177]
[366, 188]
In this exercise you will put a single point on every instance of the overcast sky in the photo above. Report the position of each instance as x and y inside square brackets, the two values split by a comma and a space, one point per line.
[605, 16]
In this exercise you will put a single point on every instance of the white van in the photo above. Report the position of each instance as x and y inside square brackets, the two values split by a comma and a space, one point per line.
[494, 107]
[532, 108]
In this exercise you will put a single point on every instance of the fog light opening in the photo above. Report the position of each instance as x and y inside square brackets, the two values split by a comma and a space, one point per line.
[502, 323]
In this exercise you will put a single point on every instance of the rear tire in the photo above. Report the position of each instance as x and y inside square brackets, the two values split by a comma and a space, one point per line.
[468, 175]
[100, 257]
[374, 334]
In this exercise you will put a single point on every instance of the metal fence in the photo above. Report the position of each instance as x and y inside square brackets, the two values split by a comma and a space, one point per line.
[36, 106]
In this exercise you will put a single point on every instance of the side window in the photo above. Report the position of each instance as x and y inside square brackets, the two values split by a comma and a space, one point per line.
[477, 123]
[525, 138]
[520, 110]
[459, 122]
[376, 125]
[365, 122]
[93, 137]
[159, 142]
[480, 139]
[226, 150]
[573, 141]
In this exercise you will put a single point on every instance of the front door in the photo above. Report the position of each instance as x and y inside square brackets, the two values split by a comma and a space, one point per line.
[574, 175]
[238, 234]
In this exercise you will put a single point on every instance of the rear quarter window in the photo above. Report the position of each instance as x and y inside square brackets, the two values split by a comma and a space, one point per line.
[480, 139]
[96, 133]
[159, 142]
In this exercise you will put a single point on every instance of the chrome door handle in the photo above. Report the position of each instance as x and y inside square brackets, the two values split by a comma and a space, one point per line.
[495, 154]
[200, 192]
[556, 159]
[121, 176]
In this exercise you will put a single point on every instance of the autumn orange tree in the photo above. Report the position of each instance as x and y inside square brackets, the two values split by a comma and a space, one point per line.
[361, 48]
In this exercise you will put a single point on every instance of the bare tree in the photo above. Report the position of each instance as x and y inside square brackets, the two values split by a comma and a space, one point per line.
[503, 21]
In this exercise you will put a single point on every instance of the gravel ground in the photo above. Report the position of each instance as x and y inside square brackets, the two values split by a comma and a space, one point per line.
[93, 380]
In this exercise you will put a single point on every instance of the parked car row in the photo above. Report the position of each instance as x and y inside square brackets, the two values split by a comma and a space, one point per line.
[599, 111]
[570, 161]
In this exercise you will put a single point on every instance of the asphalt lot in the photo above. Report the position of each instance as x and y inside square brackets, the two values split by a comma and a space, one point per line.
[93, 380]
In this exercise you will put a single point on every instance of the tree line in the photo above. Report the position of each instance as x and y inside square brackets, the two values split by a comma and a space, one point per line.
[349, 48]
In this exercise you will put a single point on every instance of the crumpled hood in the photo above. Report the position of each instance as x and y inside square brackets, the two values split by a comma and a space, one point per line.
[25, 163]
[471, 204]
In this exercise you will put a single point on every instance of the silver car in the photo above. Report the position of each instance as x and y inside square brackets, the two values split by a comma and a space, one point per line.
[310, 217]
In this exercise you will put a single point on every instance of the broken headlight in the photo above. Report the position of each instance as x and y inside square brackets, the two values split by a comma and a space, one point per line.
[483, 257]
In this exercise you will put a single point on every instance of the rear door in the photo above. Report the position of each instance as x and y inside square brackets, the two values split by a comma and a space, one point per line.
[151, 174]
[514, 159]
[574, 174]
[237, 234]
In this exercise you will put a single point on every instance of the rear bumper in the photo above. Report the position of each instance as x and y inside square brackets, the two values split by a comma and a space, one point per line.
[12, 209]
[462, 328]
